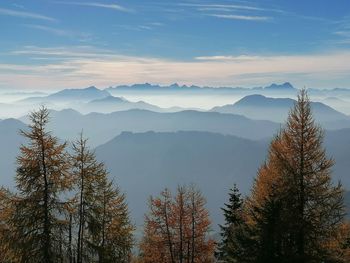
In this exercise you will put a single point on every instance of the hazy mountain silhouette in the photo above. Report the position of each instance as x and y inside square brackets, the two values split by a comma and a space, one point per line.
[147, 87]
[285, 87]
[67, 95]
[10, 141]
[103, 127]
[111, 104]
[147, 162]
[144, 163]
[276, 109]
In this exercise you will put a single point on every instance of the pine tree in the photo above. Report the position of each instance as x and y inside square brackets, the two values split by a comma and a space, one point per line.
[293, 196]
[42, 179]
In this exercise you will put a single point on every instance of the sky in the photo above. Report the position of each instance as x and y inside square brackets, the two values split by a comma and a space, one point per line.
[49, 44]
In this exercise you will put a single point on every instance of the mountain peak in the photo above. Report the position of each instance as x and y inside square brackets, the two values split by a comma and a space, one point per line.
[257, 100]
[285, 86]
[88, 93]
[92, 88]
[109, 99]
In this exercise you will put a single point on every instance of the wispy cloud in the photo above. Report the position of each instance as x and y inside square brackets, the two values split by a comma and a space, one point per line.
[68, 53]
[245, 12]
[115, 7]
[227, 6]
[23, 14]
[241, 17]
[60, 32]
[222, 9]
[82, 66]
[18, 5]
[228, 58]
[55, 31]
[143, 27]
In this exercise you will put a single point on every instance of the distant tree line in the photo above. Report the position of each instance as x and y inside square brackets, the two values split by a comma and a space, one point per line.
[66, 209]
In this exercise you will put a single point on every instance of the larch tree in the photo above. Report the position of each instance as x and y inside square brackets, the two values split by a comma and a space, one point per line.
[177, 228]
[110, 224]
[7, 252]
[42, 179]
[294, 206]
[157, 244]
[85, 170]
[104, 231]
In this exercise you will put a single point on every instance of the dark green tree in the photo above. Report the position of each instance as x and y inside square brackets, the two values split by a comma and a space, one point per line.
[233, 215]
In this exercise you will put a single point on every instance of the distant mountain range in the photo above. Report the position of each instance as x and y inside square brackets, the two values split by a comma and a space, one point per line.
[10, 141]
[93, 93]
[284, 88]
[103, 127]
[212, 161]
[144, 163]
[91, 99]
[81, 95]
[276, 109]
[112, 99]
[111, 104]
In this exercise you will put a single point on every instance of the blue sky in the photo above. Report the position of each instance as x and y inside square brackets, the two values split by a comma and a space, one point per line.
[58, 44]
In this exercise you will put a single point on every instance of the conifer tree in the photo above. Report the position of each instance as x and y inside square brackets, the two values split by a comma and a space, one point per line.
[294, 203]
[6, 230]
[228, 249]
[110, 225]
[86, 171]
[42, 179]
[103, 227]
[176, 229]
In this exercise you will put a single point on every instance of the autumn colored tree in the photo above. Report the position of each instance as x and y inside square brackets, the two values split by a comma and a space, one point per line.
[294, 207]
[85, 170]
[158, 241]
[7, 251]
[42, 179]
[109, 224]
[177, 228]
[103, 227]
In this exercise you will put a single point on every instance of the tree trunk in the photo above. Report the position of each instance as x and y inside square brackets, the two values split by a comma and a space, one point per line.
[47, 238]
[168, 232]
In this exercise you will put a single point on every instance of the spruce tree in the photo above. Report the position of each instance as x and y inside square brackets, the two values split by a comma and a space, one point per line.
[228, 247]
[42, 179]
